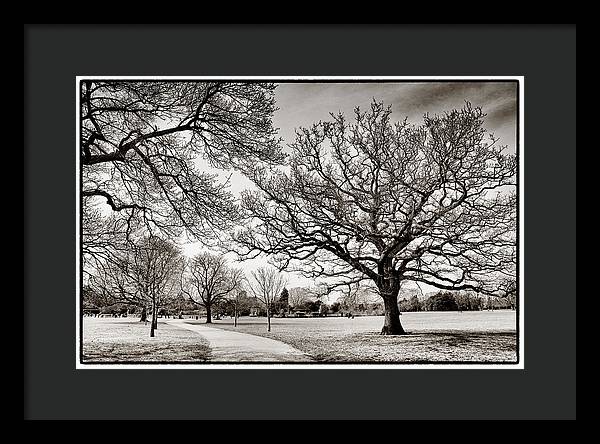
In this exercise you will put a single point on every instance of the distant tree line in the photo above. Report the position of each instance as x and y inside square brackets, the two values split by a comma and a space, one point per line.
[461, 301]
[241, 304]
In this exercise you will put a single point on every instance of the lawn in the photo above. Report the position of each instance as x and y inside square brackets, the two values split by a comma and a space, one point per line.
[128, 340]
[433, 337]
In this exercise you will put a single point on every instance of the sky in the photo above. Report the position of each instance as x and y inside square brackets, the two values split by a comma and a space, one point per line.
[302, 104]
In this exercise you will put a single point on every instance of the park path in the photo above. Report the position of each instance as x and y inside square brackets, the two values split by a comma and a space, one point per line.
[232, 346]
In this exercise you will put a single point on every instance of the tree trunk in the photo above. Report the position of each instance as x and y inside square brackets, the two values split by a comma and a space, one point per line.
[153, 322]
[235, 316]
[391, 325]
[208, 313]
[144, 315]
[268, 318]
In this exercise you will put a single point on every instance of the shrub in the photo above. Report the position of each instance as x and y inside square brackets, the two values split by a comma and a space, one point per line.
[442, 302]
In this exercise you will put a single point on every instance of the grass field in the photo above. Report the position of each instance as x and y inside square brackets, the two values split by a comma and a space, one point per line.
[434, 337]
[128, 340]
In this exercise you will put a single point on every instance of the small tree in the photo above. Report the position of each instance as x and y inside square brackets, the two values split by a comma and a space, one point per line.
[297, 296]
[208, 281]
[143, 273]
[266, 285]
[510, 286]
[415, 304]
[155, 267]
[323, 309]
[284, 300]
[239, 303]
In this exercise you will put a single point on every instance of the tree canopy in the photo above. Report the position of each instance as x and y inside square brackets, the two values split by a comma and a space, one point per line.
[389, 202]
[143, 144]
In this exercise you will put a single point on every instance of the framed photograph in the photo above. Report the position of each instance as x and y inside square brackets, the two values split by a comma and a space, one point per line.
[311, 238]
[291, 222]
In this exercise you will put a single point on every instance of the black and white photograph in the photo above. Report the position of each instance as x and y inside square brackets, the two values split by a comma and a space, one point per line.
[299, 222]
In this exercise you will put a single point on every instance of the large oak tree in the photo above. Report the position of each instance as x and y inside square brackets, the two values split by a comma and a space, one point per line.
[391, 202]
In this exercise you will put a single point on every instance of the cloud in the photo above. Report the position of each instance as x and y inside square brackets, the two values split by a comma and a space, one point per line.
[302, 104]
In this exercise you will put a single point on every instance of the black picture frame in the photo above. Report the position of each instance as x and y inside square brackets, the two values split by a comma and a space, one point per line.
[54, 55]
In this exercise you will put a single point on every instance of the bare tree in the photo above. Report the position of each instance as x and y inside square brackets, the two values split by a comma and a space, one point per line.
[390, 202]
[146, 275]
[111, 279]
[266, 285]
[298, 296]
[236, 301]
[357, 296]
[209, 281]
[140, 146]
[510, 289]
[156, 263]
